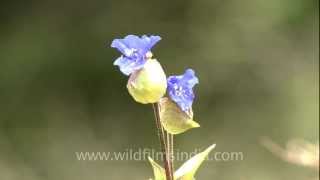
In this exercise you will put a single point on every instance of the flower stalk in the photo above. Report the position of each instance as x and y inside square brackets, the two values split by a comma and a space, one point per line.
[164, 144]
[170, 150]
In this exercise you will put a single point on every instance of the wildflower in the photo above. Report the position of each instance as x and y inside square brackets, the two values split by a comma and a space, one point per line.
[147, 82]
[135, 51]
[180, 89]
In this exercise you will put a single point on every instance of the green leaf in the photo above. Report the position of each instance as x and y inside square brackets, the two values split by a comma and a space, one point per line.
[173, 119]
[159, 172]
[188, 170]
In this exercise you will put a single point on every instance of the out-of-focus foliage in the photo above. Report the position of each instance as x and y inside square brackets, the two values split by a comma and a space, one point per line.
[297, 152]
[257, 62]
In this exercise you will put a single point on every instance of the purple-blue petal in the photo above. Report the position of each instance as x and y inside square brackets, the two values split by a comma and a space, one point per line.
[134, 42]
[133, 49]
[149, 42]
[128, 66]
[189, 78]
[120, 45]
[180, 89]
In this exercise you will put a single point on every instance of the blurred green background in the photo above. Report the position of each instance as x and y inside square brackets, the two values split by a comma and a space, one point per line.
[257, 62]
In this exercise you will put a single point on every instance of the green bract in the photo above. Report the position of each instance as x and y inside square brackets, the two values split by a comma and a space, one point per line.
[148, 84]
[173, 119]
[187, 171]
[189, 168]
[158, 171]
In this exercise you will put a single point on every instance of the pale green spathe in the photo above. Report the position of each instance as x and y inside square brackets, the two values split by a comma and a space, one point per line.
[149, 84]
[173, 119]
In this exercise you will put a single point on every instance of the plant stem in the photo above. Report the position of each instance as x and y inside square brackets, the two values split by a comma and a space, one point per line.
[167, 135]
[170, 150]
[171, 153]
[163, 144]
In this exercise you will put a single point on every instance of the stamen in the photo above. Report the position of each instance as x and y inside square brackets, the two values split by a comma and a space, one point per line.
[149, 55]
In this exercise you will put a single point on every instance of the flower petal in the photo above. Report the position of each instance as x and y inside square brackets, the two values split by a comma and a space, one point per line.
[134, 50]
[120, 45]
[180, 89]
[190, 78]
[149, 42]
[134, 42]
[127, 66]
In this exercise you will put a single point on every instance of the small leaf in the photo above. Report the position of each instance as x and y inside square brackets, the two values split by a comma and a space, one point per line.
[173, 119]
[189, 168]
[159, 172]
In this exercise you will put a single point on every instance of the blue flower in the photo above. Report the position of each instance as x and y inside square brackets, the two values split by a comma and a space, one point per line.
[135, 51]
[180, 89]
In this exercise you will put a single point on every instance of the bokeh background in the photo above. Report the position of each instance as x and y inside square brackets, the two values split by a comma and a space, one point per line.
[257, 62]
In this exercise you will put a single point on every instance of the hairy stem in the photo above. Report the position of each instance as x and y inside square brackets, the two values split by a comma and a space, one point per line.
[171, 153]
[163, 143]
[169, 150]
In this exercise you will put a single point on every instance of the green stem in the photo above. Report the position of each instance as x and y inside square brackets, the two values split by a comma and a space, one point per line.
[163, 144]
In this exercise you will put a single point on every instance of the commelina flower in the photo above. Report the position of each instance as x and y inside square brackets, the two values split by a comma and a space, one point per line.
[180, 89]
[135, 51]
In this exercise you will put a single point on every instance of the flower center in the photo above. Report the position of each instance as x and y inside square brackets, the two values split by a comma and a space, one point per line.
[132, 53]
[179, 91]
[149, 55]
